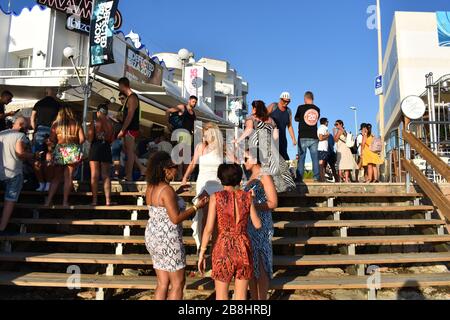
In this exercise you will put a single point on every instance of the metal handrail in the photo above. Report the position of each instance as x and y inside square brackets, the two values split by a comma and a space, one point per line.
[426, 123]
[408, 146]
[34, 73]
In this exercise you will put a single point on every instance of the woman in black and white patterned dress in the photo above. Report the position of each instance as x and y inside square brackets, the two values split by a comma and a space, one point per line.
[261, 132]
[164, 232]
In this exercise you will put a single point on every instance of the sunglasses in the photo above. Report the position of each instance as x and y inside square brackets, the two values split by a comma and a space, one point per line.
[286, 101]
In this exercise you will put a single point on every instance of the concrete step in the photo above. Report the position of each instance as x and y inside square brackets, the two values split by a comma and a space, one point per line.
[381, 223]
[55, 280]
[279, 241]
[279, 261]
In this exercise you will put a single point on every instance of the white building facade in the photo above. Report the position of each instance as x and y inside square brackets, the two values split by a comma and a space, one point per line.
[32, 59]
[412, 52]
[213, 81]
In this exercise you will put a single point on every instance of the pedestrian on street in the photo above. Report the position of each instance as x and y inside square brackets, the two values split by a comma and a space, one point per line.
[66, 137]
[308, 116]
[43, 115]
[282, 115]
[323, 133]
[5, 99]
[13, 154]
[345, 160]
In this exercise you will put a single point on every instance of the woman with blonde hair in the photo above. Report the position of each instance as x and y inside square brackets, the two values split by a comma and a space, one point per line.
[209, 155]
[66, 139]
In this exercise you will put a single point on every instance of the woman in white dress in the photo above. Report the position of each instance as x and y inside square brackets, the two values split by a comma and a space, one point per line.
[209, 155]
[345, 160]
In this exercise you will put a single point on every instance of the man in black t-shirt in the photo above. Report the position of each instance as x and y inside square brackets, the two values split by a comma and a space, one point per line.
[5, 99]
[43, 115]
[308, 115]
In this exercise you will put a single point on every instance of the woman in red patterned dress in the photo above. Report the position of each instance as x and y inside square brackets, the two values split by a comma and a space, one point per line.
[232, 253]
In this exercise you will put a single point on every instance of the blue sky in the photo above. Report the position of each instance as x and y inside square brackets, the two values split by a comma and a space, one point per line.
[294, 45]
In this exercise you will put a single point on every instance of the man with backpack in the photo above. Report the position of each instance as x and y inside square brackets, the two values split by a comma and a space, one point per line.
[282, 115]
[183, 117]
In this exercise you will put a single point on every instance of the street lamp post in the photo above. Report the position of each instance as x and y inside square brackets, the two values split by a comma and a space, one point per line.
[69, 54]
[355, 110]
[380, 71]
[184, 56]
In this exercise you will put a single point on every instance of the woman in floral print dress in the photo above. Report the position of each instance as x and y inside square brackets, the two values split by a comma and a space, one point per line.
[232, 253]
[266, 200]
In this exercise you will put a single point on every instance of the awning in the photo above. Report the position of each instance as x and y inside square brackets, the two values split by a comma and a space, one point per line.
[155, 100]
[159, 99]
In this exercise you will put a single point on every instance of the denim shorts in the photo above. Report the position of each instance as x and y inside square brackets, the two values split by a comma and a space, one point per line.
[116, 149]
[13, 187]
[42, 133]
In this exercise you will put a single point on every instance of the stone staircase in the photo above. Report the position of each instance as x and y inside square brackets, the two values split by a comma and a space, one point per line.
[348, 227]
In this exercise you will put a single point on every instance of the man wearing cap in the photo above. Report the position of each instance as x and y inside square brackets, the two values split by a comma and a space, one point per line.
[282, 116]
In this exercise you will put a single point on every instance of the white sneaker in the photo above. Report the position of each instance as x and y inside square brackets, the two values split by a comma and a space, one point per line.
[47, 186]
[41, 187]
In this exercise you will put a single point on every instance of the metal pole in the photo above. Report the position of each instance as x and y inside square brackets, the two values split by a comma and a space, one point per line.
[399, 156]
[356, 121]
[432, 113]
[380, 71]
[87, 90]
[183, 78]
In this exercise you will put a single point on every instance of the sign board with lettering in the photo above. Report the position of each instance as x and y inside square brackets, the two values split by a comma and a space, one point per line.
[194, 81]
[80, 12]
[443, 23]
[413, 107]
[102, 32]
[379, 86]
[140, 68]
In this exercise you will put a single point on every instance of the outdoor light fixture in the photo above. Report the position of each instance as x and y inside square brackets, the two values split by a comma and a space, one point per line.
[69, 53]
[40, 53]
[355, 110]
[184, 54]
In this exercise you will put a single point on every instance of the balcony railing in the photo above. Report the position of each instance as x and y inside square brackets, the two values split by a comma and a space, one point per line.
[39, 73]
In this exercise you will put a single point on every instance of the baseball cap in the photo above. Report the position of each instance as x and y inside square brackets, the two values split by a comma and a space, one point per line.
[285, 96]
